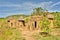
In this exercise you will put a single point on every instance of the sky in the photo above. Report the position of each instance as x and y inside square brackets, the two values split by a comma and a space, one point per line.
[14, 7]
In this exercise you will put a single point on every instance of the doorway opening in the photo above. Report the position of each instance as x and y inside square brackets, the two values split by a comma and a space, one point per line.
[11, 24]
[22, 22]
[35, 24]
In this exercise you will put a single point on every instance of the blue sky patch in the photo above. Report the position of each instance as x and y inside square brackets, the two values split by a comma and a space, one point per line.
[11, 7]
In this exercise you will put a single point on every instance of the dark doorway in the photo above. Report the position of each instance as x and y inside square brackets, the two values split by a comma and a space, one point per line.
[51, 18]
[22, 22]
[35, 24]
[8, 20]
[11, 24]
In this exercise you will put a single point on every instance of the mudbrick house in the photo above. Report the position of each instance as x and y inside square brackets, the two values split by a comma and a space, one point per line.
[33, 22]
[50, 18]
[11, 22]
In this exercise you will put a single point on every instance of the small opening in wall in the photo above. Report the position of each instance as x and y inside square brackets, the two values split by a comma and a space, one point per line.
[50, 18]
[35, 24]
[11, 24]
[22, 22]
[8, 20]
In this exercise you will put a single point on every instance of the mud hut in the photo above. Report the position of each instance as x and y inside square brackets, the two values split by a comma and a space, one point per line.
[50, 18]
[34, 22]
[21, 22]
[11, 22]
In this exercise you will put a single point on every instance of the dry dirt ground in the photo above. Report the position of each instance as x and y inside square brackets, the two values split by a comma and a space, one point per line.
[28, 34]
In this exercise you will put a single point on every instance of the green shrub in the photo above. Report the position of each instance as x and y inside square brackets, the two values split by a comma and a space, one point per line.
[45, 24]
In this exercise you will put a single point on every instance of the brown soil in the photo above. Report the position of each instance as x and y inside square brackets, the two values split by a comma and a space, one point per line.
[28, 34]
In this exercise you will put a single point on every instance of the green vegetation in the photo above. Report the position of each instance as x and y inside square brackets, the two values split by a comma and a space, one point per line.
[17, 16]
[56, 19]
[8, 33]
[45, 25]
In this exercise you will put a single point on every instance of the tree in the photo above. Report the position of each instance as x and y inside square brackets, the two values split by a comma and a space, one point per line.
[39, 11]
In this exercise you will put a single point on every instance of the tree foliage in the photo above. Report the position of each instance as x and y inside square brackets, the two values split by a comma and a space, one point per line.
[39, 11]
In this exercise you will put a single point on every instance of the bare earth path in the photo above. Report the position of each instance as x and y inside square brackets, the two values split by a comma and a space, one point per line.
[28, 34]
